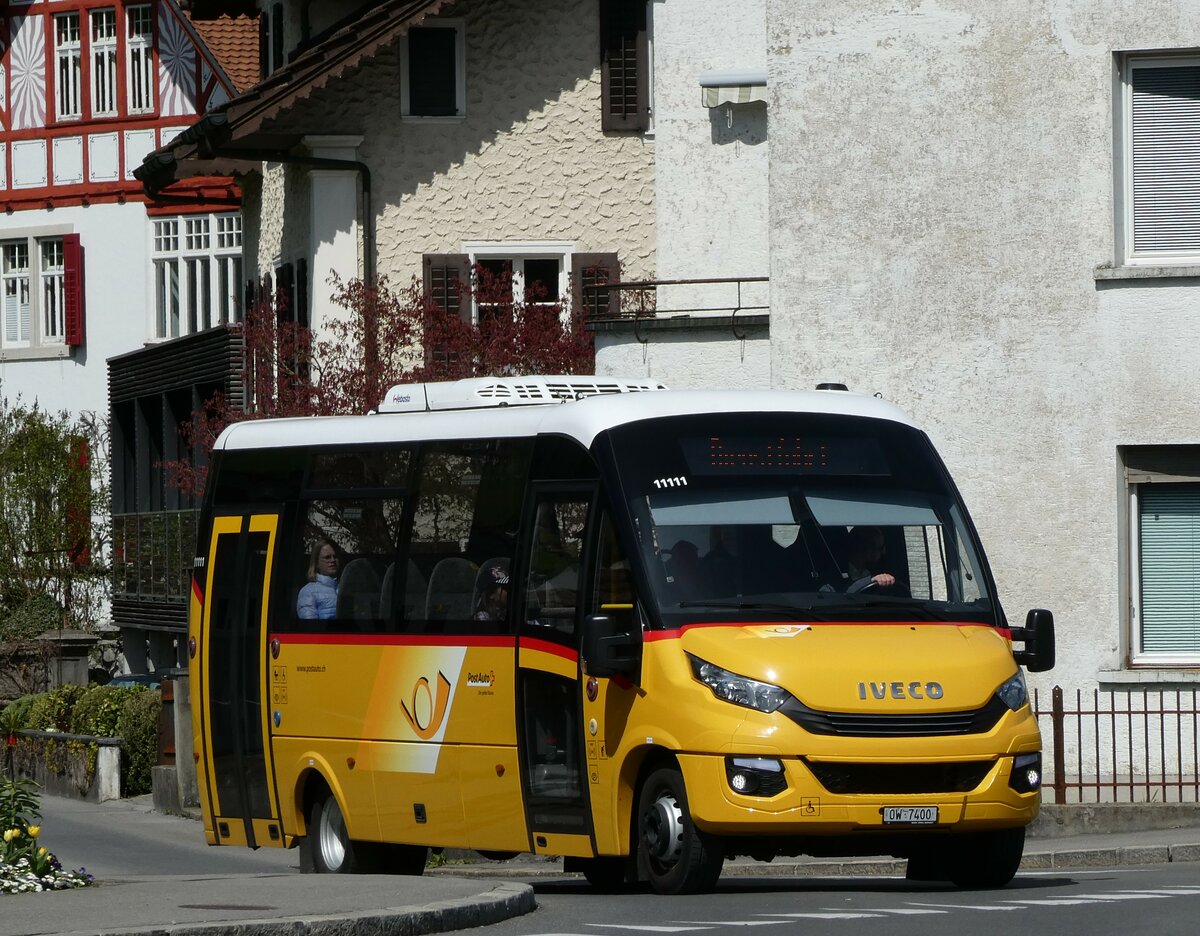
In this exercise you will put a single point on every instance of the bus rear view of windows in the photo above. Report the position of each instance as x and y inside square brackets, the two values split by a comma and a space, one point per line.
[644, 630]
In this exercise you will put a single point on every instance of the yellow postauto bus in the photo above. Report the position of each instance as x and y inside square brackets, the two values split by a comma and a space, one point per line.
[641, 629]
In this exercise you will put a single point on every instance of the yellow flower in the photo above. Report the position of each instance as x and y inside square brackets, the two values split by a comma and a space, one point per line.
[41, 853]
[8, 835]
[34, 830]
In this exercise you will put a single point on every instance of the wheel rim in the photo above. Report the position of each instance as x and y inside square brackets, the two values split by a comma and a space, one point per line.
[331, 835]
[662, 831]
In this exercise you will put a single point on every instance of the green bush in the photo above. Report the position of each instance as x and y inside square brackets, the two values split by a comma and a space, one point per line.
[138, 729]
[98, 711]
[16, 713]
[32, 618]
[51, 711]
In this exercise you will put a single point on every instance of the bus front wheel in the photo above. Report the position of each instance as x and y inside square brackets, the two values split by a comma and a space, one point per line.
[675, 856]
[987, 860]
[329, 845]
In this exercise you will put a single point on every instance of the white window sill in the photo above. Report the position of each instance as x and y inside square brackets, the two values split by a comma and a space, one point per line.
[1150, 676]
[45, 353]
[418, 118]
[1109, 272]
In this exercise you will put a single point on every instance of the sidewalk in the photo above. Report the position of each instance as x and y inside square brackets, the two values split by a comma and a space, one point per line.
[459, 895]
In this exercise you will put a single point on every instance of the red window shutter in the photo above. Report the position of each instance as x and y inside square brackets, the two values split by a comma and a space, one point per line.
[73, 289]
[589, 274]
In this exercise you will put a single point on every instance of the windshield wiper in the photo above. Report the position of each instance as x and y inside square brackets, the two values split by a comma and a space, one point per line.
[915, 605]
[805, 612]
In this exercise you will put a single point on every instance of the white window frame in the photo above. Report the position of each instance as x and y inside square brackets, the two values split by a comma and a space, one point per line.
[1136, 482]
[139, 59]
[460, 73]
[1126, 253]
[44, 289]
[68, 57]
[196, 271]
[103, 56]
[518, 252]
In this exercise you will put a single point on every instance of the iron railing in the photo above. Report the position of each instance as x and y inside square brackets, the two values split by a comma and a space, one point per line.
[729, 295]
[1121, 746]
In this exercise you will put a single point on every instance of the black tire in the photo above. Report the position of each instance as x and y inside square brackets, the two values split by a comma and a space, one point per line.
[986, 860]
[604, 874]
[328, 844]
[673, 855]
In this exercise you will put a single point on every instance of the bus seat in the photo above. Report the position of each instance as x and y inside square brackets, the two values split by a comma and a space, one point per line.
[415, 590]
[451, 584]
[385, 590]
[358, 591]
[484, 576]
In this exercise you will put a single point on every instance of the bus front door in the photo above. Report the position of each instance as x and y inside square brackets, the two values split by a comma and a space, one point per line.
[241, 799]
[551, 735]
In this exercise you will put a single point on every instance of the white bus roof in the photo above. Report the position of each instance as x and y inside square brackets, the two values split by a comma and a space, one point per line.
[581, 419]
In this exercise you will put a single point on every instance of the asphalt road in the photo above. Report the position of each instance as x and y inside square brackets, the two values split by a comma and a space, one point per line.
[100, 838]
[1160, 899]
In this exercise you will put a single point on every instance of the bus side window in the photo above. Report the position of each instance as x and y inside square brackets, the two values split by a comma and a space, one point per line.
[553, 586]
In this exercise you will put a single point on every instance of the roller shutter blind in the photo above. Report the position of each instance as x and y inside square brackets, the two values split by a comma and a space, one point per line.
[1169, 533]
[1165, 131]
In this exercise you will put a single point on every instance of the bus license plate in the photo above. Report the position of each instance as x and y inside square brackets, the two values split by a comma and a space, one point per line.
[910, 815]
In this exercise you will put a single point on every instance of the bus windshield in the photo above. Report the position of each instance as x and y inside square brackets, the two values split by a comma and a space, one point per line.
[797, 517]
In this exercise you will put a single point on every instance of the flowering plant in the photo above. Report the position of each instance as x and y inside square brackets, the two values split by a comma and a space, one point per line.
[24, 864]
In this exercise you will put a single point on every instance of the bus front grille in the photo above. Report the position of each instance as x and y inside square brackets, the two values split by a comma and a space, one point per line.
[900, 779]
[923, 725]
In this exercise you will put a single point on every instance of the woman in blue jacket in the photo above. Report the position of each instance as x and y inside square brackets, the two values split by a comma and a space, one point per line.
[317, 600]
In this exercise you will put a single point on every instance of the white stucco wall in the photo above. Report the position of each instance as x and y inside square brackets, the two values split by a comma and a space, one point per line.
[118, 290]
[688, 359]
[941, 191]
[710, 178]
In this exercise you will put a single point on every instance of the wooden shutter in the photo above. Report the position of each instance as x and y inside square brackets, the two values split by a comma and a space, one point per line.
[285, 295]
[1169, 560]
[1165, 125]
[595, 269]
[624, 65]
[73, 289]
[276, 36]
[301, 294]
[447, 280]
[79, 516]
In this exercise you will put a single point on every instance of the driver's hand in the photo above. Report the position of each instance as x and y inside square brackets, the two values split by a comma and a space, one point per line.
[884, 579]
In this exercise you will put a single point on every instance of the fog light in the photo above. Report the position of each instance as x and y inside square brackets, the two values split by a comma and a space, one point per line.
[755, 776]
[1026, 776]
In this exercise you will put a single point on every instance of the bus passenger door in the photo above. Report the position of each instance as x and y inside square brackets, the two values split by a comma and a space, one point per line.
[551, 735]
[233, 677]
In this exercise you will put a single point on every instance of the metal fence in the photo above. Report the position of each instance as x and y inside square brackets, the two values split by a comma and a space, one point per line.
[1121, 746]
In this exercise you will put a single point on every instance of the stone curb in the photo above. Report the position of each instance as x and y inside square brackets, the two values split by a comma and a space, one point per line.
[502, 902]
[1074, 858]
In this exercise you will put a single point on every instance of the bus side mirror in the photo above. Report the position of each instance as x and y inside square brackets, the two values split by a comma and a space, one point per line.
[609, 648]
[1038, 634]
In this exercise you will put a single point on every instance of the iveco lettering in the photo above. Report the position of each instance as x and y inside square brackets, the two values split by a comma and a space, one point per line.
[641, 629]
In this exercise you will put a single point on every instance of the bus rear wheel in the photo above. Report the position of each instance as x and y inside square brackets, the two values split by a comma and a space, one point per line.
[675, 856]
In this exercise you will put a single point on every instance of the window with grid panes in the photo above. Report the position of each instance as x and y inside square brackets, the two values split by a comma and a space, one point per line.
[34, 283]
[139, 57]
[53, 270]
[67, 67]
[104, 63]
[196, 274]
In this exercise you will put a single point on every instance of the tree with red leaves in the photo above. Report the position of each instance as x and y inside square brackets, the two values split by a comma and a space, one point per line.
[383, 338]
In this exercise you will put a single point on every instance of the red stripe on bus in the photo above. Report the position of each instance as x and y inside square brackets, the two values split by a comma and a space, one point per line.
[678, 632]
[394, 640]
[196, 592]
[545, 646]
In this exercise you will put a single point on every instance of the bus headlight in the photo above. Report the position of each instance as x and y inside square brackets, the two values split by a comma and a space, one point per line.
[740, 690]
[1026, 776]
[1013, 693]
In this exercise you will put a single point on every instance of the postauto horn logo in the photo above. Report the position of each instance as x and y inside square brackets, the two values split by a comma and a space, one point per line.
[427, 710]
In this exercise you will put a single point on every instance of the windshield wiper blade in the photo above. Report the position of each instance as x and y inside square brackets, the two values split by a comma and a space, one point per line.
[803, 611]
[915, 605]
